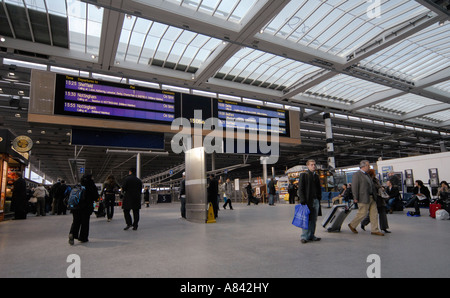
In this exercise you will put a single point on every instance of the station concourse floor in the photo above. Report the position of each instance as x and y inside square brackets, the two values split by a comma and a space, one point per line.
[256, 241]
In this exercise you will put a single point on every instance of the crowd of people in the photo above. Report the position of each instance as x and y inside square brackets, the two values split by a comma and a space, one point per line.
[372, 200]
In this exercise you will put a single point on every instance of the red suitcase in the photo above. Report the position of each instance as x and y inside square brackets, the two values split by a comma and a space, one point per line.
[433, 208]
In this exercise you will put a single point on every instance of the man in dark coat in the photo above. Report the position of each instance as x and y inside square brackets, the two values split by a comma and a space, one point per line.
[310, 194]
[213, 190]
[132, 190]
[19, 200]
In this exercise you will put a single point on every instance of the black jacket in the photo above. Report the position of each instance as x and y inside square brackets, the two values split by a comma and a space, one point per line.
[307, 185]
[90, 195]
[132, 190]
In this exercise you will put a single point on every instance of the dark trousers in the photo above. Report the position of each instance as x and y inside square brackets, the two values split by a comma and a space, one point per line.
[183, 206]
[291, 197]
[414, 201]
[80, 224]
[382, 216]
[213, 201]
[110, 200]
[227, 202]
[127, 215]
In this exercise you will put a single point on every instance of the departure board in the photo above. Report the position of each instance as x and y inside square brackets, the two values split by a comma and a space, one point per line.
[93, 98]
[252, 117]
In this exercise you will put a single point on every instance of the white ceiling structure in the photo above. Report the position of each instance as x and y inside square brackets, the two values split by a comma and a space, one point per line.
[381, 68]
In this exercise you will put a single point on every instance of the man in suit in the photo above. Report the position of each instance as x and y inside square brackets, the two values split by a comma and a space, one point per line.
[132, 189]
[364, 193]
[310, 193]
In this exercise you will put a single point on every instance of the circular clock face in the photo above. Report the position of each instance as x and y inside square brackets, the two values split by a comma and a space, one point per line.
[22, 144]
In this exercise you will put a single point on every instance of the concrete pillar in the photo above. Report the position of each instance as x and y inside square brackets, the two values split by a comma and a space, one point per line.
[330, 146]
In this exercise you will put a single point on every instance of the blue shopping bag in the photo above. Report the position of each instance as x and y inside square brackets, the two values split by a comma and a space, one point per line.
[301, 216]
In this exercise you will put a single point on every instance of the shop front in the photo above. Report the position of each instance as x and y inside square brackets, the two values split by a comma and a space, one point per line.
[12, 162]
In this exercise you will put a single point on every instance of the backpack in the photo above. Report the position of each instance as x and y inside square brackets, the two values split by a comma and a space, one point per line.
[76, 195]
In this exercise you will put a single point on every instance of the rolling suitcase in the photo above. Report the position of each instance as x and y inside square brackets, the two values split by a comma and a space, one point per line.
[333, 221]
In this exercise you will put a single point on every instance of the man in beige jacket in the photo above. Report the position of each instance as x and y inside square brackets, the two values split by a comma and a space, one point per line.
[364, 193]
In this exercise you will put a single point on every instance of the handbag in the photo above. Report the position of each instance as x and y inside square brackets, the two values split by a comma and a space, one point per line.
[301, 216]
[382, 193]
[33, 200]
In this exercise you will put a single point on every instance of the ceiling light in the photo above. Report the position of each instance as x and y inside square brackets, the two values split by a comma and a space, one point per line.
[93, 56]
[21, 92]
[29, 131]
[43, 132]
[2, 39]
[17, 115]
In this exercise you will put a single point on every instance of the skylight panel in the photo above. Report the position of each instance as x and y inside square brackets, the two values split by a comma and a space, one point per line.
[346, 89]
[405, 104]
[250, 66]
[231, 10]
[147, 42]
[339, 27]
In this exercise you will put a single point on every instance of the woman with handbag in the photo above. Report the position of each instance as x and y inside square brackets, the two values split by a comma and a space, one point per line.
[381, 205]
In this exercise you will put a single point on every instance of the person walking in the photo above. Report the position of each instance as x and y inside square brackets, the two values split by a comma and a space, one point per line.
[81, 216]
[381, 207]
[39, 193]
[228, 194]
[310, 194]
[364, 193]
[110, 189]
[132, 190]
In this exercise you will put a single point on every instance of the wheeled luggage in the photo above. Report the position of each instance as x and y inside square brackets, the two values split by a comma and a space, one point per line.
[338, 213]
[434, 208]
[254, 200]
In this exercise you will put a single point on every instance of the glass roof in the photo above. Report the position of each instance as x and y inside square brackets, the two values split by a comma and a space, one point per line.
[339, 27]
[439, 116]
[405, 104]
[147, 42]
[250, 66]
[346, 89]
[84, 21]
[416, 57]
[444, 86]
[305, 29]
[229, 10]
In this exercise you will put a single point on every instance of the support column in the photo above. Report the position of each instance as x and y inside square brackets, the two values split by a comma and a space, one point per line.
[264, 164]
[138, 165]
[330, 146]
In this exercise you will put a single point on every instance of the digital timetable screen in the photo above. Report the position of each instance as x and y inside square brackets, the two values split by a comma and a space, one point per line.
[89, 97]
[85, 97]
[252, 117]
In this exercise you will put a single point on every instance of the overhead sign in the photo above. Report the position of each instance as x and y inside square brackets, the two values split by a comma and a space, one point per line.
[88, 97]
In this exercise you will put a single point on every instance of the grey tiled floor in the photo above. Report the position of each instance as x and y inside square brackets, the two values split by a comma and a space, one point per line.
[249, 241]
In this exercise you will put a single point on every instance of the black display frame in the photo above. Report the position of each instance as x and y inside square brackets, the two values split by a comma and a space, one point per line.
[60, 100]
